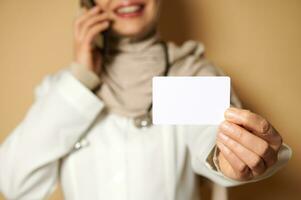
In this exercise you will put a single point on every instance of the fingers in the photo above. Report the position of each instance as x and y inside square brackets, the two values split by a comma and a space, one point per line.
[86, 15]
[87, 26]
[91, 34]
[250, 141]
[254, 162]
[90, 23]
[231, 165]
[255, 124]
[248, 138]
[249, 120]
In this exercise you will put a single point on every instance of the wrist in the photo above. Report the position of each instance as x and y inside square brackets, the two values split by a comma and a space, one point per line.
[86, 76]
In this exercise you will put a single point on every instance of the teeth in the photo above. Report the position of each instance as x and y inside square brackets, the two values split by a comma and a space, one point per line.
[129, 9]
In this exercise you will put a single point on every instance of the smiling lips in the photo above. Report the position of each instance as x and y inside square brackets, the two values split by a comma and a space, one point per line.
[129, 9]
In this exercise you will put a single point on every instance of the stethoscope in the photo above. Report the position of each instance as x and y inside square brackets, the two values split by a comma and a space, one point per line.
[142, 121]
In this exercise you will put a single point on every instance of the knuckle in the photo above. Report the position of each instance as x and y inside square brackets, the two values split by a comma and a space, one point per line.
[272, 158]
[77, 41]
[240, 134]
[264, 149]
[236, 148]
[242, 168]
[98, 26]
[245, 175]
[227, 153]
[256, 163]
[246, 116]
[224, 125]
[102, 25]
[219, 134]
[231, 143]
[77, 22]
[245, 110]
[264, 126]
[279, 142]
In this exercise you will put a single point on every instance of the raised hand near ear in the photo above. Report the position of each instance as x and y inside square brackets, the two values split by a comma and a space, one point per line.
[86, 27]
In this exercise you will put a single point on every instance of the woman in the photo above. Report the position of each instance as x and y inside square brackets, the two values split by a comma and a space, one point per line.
[84, 128]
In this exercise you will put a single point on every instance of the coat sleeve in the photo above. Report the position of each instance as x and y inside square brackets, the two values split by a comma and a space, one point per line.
[203, 146]
[29, 158]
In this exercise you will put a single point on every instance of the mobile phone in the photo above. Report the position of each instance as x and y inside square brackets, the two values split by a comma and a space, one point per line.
[100, 40]
[87, 3]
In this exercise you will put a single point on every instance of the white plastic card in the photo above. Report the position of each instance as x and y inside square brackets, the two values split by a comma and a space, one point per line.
[190, 100]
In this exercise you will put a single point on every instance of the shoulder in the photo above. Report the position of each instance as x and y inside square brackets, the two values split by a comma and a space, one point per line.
[48, 81]
[189, 48]
[188, 59]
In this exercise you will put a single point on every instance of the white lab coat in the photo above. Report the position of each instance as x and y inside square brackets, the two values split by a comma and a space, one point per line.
[119, 161]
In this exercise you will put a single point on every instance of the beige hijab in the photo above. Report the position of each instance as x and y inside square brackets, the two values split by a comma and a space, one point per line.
[127, 78]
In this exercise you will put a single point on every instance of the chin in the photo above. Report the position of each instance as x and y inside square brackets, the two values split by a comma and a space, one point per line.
[130, 31]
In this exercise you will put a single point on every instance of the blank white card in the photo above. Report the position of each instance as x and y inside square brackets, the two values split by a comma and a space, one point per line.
[190, 100]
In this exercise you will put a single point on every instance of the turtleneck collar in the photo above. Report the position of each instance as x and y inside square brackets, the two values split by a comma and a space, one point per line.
[127, 77]
[132, 45]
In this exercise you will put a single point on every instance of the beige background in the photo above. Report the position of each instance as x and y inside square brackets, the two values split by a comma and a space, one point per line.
[257, 42]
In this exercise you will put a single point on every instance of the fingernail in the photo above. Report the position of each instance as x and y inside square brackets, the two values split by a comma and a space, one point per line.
[230, 113]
